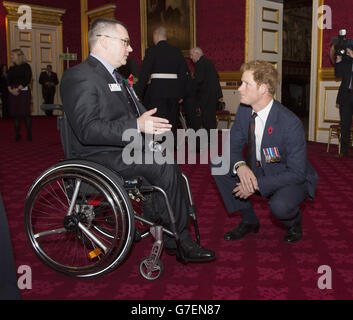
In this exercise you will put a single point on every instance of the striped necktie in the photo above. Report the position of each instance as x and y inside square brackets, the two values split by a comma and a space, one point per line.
[251, 152]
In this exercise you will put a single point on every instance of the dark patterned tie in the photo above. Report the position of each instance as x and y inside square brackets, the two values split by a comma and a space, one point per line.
[126, 92]
[251, 153]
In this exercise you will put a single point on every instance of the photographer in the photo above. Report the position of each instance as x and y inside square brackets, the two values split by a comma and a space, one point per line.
[343, 69]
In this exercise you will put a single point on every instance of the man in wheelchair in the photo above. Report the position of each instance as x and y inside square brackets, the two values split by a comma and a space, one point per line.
[100, 107]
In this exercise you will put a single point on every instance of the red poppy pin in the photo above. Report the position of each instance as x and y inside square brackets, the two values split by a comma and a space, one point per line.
[270, 130]
[131, 80]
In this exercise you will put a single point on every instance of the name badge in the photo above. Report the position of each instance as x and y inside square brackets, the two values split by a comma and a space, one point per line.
[271, 155]
[114, 87]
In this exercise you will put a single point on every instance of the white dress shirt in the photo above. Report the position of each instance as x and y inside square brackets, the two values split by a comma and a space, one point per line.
[260, 123]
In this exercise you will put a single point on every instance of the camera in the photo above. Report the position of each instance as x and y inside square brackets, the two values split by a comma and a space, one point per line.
[342, 43]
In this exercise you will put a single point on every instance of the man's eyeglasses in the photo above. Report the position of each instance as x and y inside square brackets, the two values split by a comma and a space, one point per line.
[126, 41]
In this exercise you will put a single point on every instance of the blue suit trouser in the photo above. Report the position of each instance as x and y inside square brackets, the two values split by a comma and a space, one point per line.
[284, 202]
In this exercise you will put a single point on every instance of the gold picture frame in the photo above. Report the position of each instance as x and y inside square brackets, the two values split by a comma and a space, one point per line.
[178, 16]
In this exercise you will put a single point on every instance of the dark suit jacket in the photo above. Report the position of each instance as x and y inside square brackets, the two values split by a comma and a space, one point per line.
[343, 70]
[287, 134]
[44, 77]
[207, 86]
[162, 58]
[97, 115]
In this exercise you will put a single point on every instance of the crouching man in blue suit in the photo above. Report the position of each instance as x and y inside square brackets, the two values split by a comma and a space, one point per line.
[276, 164]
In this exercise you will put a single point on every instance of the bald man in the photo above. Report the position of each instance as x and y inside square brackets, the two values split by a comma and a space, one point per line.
[208, 89]
[165, 65]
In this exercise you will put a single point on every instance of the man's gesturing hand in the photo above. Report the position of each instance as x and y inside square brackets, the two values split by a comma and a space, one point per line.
[153, 125]
[247, 179]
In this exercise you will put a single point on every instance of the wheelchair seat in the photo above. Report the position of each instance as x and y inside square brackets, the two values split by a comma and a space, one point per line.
[80, 216]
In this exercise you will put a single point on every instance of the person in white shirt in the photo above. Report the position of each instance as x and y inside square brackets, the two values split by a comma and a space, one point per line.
[276, 165]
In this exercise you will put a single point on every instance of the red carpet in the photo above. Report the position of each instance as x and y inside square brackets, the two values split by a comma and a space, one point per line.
[260, 266]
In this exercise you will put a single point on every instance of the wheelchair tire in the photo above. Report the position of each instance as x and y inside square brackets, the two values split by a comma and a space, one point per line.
[153, 274]
[96, 236]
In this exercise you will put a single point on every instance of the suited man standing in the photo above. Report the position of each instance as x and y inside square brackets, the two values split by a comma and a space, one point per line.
[49, 80]
[276, 166]
[207, 87]
[344, 70]
[165, 66]
[101, 107]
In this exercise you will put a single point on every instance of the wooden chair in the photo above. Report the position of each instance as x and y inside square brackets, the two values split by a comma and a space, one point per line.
[223, 115]
[335, 132]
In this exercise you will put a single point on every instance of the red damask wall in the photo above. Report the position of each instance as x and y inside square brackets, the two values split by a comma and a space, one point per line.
[220, 27]
[342, 12]
[220, 30]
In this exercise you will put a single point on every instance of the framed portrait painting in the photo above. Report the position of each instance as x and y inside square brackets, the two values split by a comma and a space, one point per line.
[178, 16]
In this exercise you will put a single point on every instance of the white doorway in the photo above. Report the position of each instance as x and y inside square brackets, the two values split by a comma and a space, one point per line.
[264, 33]
[41, 47]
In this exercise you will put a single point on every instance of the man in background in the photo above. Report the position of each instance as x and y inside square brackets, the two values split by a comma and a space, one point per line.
[49, 80]
[344, 70]
[207, 88]
[165, 66]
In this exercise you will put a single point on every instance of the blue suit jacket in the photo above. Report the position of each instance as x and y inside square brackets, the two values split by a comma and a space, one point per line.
[283, 130]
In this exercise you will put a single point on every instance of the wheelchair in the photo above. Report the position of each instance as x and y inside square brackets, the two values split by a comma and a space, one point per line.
[81, 218]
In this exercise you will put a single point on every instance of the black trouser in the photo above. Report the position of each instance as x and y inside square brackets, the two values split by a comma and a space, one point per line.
[48, 96]
[168, 108]
[208, 114]
[346, 122]
[169, 178]
[8, 281]
[192, 120]
[166, 176]
[28, 123]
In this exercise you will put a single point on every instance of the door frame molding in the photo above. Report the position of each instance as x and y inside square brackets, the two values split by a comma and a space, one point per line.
[40, 15]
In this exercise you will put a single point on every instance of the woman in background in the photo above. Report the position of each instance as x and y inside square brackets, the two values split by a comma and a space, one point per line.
[18, 80]
[4, 93]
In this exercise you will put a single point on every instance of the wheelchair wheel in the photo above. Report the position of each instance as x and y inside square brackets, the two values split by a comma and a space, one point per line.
[79, 218]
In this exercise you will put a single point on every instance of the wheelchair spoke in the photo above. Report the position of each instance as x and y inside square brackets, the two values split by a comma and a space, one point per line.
[92, 237]
[74, 197]
[49, 232]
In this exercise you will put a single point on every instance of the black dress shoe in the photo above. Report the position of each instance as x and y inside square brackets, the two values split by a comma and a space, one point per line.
[294, 234]
[241, 230]
[192, 252]
[342, 155]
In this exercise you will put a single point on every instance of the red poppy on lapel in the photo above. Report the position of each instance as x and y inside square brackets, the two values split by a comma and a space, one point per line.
[131, 80]
[270, 130]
